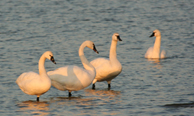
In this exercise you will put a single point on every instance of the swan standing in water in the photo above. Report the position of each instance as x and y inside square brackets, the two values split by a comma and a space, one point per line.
[74, 78]
[108, 69]
[155, 52]
[32, 83]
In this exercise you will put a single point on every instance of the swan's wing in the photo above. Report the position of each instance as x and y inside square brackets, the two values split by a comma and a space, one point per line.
[67, 71]
[148, 54]
[26, 76]
[60, 71]
[99, 61]
[103, 69]
[27, 82]
[58, 81]
[68, 78]
[163, 52]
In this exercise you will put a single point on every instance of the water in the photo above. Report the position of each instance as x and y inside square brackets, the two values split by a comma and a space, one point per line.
[165, 87]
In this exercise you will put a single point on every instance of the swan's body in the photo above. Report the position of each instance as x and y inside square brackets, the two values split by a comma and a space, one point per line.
[36, 84]
[108, 69]
[156, 51]
[74, 78]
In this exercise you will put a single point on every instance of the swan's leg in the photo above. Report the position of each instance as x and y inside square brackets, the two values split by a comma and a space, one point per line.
[37, 99]
[94, 81]
[93, 86]
[70, 94]
[109, 86]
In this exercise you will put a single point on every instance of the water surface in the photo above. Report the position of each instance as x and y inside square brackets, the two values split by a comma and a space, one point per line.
[165, 87]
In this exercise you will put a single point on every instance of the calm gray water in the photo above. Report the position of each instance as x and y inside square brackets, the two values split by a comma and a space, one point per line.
[28, 28]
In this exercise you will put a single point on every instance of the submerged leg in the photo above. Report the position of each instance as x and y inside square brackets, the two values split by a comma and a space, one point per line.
[93, 86]
[70, 94]
[37, 99]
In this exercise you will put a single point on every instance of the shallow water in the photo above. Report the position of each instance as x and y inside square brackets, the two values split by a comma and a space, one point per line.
[165, 87]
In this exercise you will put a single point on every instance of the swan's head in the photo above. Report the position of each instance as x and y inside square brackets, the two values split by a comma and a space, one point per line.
[116, 37]
[91, 45]
[155, 33]
[49, 55]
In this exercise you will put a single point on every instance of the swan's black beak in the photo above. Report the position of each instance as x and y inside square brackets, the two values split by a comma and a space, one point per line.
[118, 37]
[152, 34]
[53, 60]
[94, 48]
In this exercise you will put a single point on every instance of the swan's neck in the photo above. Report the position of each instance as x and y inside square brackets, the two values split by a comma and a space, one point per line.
[156, 49]
[83, 59]
[42, 70]
[113, 51]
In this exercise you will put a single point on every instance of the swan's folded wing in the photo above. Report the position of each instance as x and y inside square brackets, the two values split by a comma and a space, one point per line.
[26, 76]
[60, 71]
[25, 79]
[99, 61]
[58, 81]
[67, 78]
[65, 74]
[148, 54]
[67, 70]
[163, 52]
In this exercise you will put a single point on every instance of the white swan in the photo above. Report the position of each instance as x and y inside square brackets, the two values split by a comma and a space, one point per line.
[155, 52]
[74, 78]
[36, 84]
[108, 69]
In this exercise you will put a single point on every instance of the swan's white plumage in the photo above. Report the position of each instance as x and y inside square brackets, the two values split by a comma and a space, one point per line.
[36, 84]
[108, 69]
[156, 51]
[28, 80]
[74, 78]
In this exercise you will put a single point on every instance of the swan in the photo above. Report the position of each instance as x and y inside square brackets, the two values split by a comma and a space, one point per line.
[108, 69]
[155, 52]
[32, 83]
[74, 78]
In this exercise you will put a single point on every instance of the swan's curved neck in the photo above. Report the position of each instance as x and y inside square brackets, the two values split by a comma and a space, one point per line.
[41, 65]
[83, 59]
[113, 50]
[156, 48]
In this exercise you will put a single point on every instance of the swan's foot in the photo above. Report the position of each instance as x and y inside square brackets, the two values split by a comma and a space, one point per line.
[109, 86]
[37, 99]
[70, 94]
[93, 86]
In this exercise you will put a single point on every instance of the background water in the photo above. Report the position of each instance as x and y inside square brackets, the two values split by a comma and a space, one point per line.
[28, 28]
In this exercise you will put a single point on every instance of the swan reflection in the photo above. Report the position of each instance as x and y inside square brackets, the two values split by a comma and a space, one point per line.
[90, 98]
[73, 101]
[34, 108]
[154, 60]
[104, 94]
